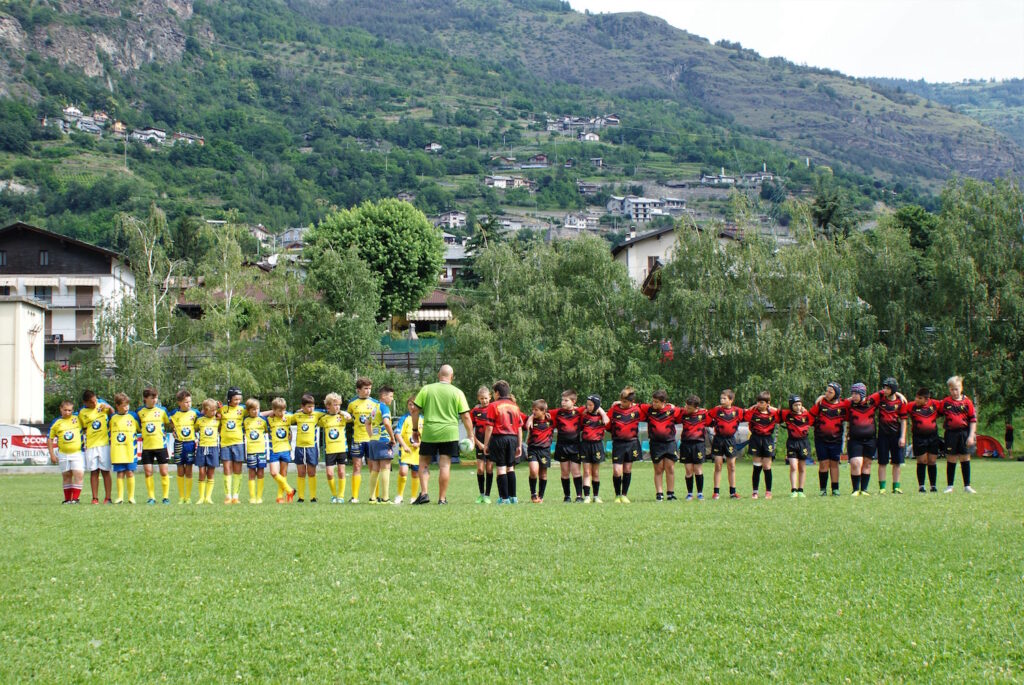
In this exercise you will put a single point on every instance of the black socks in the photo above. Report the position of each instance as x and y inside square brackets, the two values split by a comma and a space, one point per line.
[480, 482]
[755, 479]
[617, 485]
[490, 481]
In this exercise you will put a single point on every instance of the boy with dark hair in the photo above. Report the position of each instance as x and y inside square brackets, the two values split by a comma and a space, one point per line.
[762, 419]
[306, 456]
[624, 419]
[279, 424]
[829, 414]
[93, 416]
[484, 466]
[694, 420]
[154, 421]
[382, 448]
[593, 423]
[924, 413]
[539, 429]
[725, 421]
[410, 452]
[183, 428]
[232, 444]
[503, 440]
[798, 422]
[661, 419]
[66, 434]
[566, 419]
[892, 434]
[364, 411]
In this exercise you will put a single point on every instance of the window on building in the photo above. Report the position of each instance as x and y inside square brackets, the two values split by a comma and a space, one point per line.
[3, 257]
[43, 293]
[44, 258]
[5, 290]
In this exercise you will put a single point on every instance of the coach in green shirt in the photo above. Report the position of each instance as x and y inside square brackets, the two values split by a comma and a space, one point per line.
[442, 406]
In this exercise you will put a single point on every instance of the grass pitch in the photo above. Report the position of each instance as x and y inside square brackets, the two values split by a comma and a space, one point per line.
[881, 589]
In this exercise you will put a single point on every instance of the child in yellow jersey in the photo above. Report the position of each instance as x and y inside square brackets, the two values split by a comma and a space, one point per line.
[306, 455]
[153, 421]
[66, 432]
[382, 448]
[255, 427]
[279, 425]
[93, 416]
[332, 428]
[124, 427]
[208, 450]
[410, 452]
[183, 427]
[365, 411]
[232, 444]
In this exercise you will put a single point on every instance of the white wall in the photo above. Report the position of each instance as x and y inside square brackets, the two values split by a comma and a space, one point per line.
[21, 356]
[635, 256]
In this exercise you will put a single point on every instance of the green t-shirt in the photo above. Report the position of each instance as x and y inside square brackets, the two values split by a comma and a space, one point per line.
[440, 404]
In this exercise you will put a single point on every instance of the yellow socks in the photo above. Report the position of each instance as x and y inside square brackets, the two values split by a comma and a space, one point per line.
[357, 479]
[259, 489]
[181, 488]
[120, 489]
[130, 485]
[374, 475]
[165, 486]
[414, 491]
[401, 484]
[332, 483]
[252, 489]
[376, 485]
[384, 482]
[300, 485]
[282, 485]
[188, 489]
[311, 481]
[227, 485]
[341, 487]
[202, 491]
[149, 487]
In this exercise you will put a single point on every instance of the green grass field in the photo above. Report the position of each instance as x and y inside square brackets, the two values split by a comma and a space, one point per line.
[880, 589]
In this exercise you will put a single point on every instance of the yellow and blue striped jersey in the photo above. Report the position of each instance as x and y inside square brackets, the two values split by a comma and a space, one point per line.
[68, 434]
[123, 429]
[154, 423]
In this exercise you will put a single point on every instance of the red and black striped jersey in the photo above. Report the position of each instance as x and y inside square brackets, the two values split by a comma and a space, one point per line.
[567, 423]
[828, 420]
[505, 417]
[798, 425]
[661, 423]
[889, 413]
[761, 422]
[478, 415]
[593, 427]
[958, 414]
[924, 418]
[624, 424]
[725, 420]
[541, 431]
[693, 423]
[861, 416]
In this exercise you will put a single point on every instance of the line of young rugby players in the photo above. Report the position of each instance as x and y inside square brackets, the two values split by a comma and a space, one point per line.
[102, 437]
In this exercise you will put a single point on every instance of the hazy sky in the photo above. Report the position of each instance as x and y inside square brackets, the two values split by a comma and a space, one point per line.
[938, 40]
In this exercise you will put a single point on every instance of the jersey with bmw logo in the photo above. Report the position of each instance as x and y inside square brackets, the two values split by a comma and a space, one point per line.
[94, 422]
[154, 422]
[68, 434]
[305, 427]
[184, 423]
[280, 433]
[123, 429]
[333, 428]
[208, 430]
[255, 434]
[231, 425]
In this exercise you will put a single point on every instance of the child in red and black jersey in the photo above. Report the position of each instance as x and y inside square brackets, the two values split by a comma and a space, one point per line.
[861, 443]
[762, 419]
[892, 434]
[539, 428]
[624, 419]
[694, 421]
[924, 413]
[593, 424]
[566, 419]
[484, 466]
[661, 419]
[798, 422]
[503, 440]
[829, 416]
[961, 423]
[725, 421]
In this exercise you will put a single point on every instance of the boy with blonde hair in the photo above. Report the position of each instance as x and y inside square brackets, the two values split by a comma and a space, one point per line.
[124, 427]
[279, 425]
[208, 449]
[183, 428]
[410, 452]
[960, 422]
[256, 429]
[336, 455]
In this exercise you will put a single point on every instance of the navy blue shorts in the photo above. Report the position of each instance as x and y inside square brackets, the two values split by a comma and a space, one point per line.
[381, 451]
[889, 449]
[359, 450]
[256, 461]
[207, 457]
[307, 456]
[185, 453]
[860, 447]
[233, 453]
[828, 451]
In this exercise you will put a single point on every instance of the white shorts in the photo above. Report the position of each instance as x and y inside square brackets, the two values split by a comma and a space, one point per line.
[97, 458]
[70, 462]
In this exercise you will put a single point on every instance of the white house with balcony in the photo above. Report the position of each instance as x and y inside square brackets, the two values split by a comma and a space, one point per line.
[73, 279]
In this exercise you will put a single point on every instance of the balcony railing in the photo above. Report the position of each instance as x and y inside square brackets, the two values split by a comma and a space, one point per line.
[80, 338]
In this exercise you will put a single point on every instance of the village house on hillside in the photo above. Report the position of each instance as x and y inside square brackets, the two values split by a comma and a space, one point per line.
[451, 220]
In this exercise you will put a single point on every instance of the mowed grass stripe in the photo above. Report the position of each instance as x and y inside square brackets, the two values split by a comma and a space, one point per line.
[911, 588]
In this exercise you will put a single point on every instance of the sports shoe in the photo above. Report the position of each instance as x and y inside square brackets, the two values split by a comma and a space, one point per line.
[480, 499]
[865, 493]
[290, 496]
[754, 496]
[513, 500]
[280, 500]
[75, 501]
[540, 500]
[881, 491]
[700, 496]
[131, 500]
[443, 502]
[120, 501]
[488, 500]
[659, 497]
[353, 500]
[856, 493]
[373, 500]
[502, 500]
[823, 493]
[235, 500]
[618, 499]
[800, 493]
[768, 495]
[835, 493]
[933, 489]
[578, 500]
[598, 500]
[734, 495]
[300, 500]
[535, 499]
[625, 500]
[334, 500]
[106, 500]
[383, 501]
[671, 498]
[95, 500]
[586, 499]
[398, 499]
[165, 501]
[969, 490]
[948, 490]
[716, 496]
[312, 500]
[150, 501]
[793, 495]
[422, 499]
[567, 500]
[921, 489]
[689, 496]
[227, 500]
[897, 491]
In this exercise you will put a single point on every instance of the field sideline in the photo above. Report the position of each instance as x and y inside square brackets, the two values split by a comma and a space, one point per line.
[911, 588]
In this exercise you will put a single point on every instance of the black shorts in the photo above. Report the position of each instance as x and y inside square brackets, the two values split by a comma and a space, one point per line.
[337, 458]
[860, 447]
[539, 454]
[626, 451]
[568, 451]
[723, 447]
[798, 448]
[927, 444]
[956, 442]
[663, 450]
[438, 449]
[762, 446]
[691, 451]
[592, 451]
[828, 451]
[502, 450]
[154, 456]
[889, 449]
